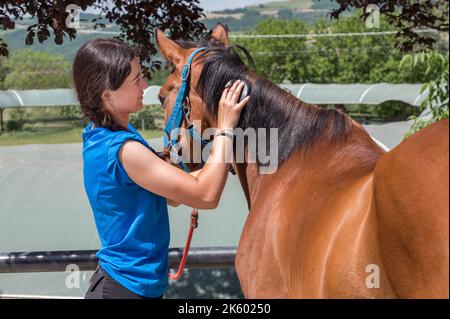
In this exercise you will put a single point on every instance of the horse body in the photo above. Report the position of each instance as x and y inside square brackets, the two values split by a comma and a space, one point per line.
[315, 228]
[308, 224]
[340, 218]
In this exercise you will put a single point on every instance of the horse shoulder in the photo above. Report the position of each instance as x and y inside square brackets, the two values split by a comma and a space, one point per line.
[312, 233]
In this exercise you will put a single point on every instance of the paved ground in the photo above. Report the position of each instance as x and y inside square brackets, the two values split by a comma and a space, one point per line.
[390, 134]
[43, 207]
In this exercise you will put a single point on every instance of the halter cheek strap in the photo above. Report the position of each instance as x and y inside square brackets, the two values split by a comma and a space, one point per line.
[173, 125]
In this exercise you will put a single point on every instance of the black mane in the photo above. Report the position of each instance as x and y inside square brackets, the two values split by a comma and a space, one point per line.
[299, 124]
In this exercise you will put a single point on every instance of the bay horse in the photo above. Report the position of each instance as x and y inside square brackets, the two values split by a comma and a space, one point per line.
[340, 217]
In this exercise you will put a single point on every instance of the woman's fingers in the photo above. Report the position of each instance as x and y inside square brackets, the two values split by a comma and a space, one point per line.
[224, 94]
[227, 90]
[230, 108]
[241, 104]
[231, 94]
[237, 93]
[232, 89]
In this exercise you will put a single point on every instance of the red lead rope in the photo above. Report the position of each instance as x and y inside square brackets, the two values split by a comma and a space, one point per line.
[194, 224]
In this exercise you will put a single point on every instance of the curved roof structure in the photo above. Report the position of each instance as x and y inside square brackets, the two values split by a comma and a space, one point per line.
[31, 98]
[308, 92]
[357, 93]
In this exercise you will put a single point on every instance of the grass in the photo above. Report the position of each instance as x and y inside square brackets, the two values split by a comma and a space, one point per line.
[54, 136]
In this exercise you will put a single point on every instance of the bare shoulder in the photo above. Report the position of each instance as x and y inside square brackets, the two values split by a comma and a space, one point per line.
[133, 151]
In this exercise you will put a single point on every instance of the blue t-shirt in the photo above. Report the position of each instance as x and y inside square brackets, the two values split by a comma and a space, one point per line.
[132, 223]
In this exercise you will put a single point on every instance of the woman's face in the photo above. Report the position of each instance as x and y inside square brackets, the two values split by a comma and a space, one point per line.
[128, 97]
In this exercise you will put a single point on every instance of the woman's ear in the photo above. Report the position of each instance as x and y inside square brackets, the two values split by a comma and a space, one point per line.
[168, 48]
[106, 98]
[220, 33]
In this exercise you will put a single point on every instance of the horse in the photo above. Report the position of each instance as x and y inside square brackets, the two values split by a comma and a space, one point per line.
[340, 217]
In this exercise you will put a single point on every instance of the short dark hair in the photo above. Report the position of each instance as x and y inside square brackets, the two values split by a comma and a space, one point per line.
[100, 64]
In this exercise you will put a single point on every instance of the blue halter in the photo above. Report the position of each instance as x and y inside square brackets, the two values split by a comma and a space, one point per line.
[176, 117]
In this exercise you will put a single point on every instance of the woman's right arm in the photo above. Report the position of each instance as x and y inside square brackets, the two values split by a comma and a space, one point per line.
[202, 191]
[172, 202]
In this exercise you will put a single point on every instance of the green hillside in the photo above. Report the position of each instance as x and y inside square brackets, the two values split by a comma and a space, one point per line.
[289, 4]
[15, 39]
[242, 19]
[236, 19]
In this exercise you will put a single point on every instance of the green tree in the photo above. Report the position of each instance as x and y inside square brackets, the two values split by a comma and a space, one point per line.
[28, 69]
[407, 16]
[3, 71]
[328, 59]
[334, 59]
[277, 58]
[137, 20]
[3, 48]
[358, 58]
[437, 99]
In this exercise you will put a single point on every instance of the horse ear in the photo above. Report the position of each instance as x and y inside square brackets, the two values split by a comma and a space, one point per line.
[168, 48]
[220, 33]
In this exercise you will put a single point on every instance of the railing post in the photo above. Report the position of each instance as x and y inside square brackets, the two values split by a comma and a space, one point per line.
[1, 120]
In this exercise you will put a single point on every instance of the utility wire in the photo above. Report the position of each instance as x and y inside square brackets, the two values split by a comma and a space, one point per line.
[309, 35]
[318, 35]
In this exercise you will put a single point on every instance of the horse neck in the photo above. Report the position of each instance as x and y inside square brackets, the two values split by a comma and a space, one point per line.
[359, 153]
[249, 178]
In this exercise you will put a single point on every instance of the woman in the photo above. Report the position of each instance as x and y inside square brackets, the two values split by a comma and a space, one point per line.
[127, 184]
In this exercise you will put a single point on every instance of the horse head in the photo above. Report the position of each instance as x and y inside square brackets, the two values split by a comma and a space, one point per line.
[205, 80]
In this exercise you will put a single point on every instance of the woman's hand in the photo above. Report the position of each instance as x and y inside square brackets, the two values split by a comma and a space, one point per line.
[229, 108]
[147, 170]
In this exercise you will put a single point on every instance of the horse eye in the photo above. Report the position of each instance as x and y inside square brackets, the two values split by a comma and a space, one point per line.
[171, 66]
[161, 99]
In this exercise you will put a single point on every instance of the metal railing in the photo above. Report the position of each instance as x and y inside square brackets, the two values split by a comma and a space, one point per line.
[85, 260]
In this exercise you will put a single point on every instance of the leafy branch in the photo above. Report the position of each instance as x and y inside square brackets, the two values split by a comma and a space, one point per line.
[437, 98]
